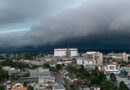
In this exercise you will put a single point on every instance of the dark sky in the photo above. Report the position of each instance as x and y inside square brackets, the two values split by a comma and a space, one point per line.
[53, 23]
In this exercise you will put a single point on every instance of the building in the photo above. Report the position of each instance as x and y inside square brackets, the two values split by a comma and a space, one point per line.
[118, 56]
[28, 79]
[44, 76]
[59, 87]
[6, 68]
[94, 56]
[80, 61]
[111, 69]
[85, 62]
[66, 52]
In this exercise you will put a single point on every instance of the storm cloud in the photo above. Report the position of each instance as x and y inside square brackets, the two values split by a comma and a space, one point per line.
[92, 22]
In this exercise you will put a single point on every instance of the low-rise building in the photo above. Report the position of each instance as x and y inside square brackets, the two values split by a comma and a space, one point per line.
[44, 77]
[94, 56]
[86, 62]
[111, 69]
[6, 68]
[59, 87]
[118, 56]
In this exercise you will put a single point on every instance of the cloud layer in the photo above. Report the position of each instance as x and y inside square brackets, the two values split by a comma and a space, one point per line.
[104, 22]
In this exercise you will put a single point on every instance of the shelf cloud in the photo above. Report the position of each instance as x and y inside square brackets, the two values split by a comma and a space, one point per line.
[105, 22]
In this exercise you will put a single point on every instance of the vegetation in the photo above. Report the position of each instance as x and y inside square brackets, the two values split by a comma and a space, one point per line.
[93, 77]
[123, 73]
[3, 75]
[2, 87]
[123, 63]
[30, 88]
[106, 85]
[113, 80]
[74, 87]
[57, 68]
[25, 84]
[96, 78]
[46, 65]
[123, 86]
[19, 65]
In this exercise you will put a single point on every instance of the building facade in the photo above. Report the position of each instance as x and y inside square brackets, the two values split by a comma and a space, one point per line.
[94, 56]
[66, 52]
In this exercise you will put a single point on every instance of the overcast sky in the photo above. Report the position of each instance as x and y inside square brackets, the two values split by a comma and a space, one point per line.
[102, 23]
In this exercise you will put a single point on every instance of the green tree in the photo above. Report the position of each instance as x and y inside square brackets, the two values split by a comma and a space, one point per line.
[82, 68]
[106, 85]
[30, 88]
[3, 75]
[25, 84]
[123, 86]
[123, 73]
[46, 66]
[113, 77]
[94, 77]
[58, 67]
[2, 87]
[114, 80]
[102, 77]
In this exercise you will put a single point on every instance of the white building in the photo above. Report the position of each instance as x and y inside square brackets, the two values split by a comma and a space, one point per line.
[80, 61]
[85, 62]
[60, 52]
[64, 52]
[111, 69]
[73, 52]
[6, 68]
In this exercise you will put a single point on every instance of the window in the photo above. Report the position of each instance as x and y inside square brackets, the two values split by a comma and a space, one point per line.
[111, 67]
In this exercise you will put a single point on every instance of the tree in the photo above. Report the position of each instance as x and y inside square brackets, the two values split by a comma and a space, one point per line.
[123, 73]
[114, 80]
[102, 77]
[82, 68]
[113, 77]
[30, 88]
[123, 86]
[106, 85]
[58, 67]
[46, 66]
[2, 87]
[25, 84]
[3, 75]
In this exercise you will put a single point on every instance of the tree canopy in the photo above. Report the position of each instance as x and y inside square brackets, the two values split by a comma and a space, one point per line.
[123, 86]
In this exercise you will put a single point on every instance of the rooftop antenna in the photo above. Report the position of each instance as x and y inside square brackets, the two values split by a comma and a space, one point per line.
[68, 50]
[68, 45]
